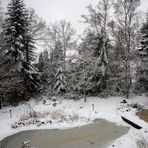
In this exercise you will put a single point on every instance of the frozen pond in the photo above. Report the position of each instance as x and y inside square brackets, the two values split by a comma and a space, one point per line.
[97, 135]
[143, 115]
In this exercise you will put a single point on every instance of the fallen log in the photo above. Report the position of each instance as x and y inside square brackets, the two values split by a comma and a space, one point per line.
[131, 123]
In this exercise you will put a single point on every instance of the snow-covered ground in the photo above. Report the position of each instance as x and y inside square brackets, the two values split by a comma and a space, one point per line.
[63, 114]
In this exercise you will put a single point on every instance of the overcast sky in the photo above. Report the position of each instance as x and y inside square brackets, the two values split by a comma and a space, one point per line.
[71, 10]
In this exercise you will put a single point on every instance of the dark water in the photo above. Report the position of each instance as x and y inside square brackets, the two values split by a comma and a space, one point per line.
[143, 115]
[97, 135]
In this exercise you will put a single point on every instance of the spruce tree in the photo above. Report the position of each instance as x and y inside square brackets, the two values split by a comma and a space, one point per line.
[60, 84]
[57, 77]
[28, 70]
[93, 51]
[19, 47]
[40, 62]
[143, 57]
[16, 27]
[44, 66]
[1, 24]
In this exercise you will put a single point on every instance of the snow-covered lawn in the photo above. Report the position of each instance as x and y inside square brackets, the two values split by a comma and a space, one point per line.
[63, 114]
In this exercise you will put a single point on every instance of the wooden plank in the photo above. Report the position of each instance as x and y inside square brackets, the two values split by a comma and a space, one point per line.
[131, 123]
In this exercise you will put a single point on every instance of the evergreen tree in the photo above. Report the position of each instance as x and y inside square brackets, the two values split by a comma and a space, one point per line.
[44, 65]
[16, 27]
[1, 24]
[143, 57]
[60, 84]
[40, 62]
[30, 72]
[94, 62]
[19, 47]
[57, 76]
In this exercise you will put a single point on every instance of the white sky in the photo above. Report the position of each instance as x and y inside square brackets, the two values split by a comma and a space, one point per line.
[70, 10]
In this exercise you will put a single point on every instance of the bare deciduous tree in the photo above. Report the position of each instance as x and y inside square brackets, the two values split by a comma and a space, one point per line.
[38, 26]
[62, 32]
[124, 29]
[97, 20]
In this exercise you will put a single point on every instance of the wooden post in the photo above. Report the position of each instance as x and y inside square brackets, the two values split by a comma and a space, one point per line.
[93, 107]
[84, 83]
[10, 113]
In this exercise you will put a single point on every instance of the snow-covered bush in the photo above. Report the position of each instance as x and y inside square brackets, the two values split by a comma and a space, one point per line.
[71, 96]
[142, 143]
[137, 106]
[47, 117]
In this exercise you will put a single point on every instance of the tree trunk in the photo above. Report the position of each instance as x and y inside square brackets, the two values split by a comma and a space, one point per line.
[1, 103]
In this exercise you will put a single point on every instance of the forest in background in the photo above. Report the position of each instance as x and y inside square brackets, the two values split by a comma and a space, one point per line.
[110, 58]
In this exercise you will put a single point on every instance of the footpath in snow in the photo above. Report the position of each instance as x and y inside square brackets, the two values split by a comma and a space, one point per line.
[63, 114]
